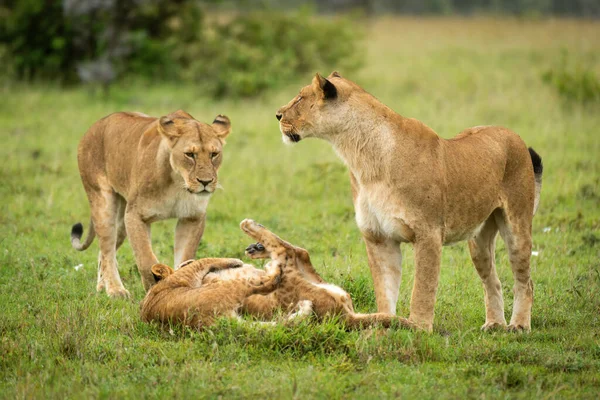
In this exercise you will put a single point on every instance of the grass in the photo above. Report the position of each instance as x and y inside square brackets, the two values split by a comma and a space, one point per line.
[61, 339]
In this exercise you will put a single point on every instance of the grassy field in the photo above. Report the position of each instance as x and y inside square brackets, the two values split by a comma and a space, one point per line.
[61, 339]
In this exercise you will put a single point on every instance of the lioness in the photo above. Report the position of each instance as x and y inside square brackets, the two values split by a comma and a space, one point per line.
[410, 185]
[183, 297]
[301, 286]
[137, 170]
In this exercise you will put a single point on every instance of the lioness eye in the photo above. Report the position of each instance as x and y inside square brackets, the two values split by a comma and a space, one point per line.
[190, 155]
[214, 155]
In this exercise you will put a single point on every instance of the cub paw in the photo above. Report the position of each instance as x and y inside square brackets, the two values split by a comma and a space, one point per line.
[250, 226]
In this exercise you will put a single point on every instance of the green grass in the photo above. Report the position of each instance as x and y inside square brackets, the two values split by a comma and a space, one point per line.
[61, 339]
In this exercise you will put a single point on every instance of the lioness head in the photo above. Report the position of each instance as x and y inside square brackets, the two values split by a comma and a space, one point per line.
[317, 111]
[195, 149]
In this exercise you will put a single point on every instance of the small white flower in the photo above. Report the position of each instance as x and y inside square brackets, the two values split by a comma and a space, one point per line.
[535, 253]
[547, 229]
[78, 267]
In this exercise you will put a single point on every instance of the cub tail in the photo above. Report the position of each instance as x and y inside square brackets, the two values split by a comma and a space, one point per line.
[77, 233]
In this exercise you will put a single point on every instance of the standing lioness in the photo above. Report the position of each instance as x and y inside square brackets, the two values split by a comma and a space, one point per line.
[137, 170]
[410, 185]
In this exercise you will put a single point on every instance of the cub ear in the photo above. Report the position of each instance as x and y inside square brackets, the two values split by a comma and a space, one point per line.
[334, 74]
[161, 271]
[167, 128]
[323, 88]
[222, 125]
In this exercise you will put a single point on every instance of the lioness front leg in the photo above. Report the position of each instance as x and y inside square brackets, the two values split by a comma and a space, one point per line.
[138, 232]
[188, 234]
[428, 254]
[385, 263]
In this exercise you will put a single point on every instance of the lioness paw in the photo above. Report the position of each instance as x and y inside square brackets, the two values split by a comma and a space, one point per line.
[493, 326]
[519, 328]
[118, 293]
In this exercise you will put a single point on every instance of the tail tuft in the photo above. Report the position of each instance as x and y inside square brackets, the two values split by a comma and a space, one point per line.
[77, 231]
[536, 160]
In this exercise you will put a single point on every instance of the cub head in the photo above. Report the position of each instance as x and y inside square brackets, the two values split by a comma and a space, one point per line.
[195, 149]
[317, 110]
[161, 271]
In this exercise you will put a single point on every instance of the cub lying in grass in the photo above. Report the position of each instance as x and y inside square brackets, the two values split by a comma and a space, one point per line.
[182, 297]
[301, 286]
[201, 291]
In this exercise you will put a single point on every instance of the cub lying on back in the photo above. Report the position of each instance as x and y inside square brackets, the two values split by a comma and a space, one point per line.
[182, 297]
[301, 286]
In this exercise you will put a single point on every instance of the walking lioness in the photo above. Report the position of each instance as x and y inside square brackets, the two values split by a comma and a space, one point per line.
[137, 170]
[410, 185]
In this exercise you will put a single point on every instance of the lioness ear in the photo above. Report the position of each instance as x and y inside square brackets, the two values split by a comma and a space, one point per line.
[222, 125]
[323, 87]
[161, 271]
[334, 74]
[166, 127]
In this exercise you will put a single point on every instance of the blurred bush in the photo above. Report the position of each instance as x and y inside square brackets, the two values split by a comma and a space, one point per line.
[100, 41]
[260, 50]
[573, 80]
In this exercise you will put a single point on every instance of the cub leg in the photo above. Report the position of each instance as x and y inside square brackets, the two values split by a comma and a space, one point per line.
[188, 234]
[192, 274]
[304, 308]
[385, 263]
[104, 208]
[139, 237]
[265, 284]
[482, 253]
[428, 252]
[516, 233]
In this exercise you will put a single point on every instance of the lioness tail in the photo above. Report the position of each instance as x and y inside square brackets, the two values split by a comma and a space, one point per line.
[77, 232]
[538, 169]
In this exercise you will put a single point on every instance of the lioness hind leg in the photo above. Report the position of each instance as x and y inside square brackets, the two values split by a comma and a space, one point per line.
[482, 249]
[516, 233]
[104, 205]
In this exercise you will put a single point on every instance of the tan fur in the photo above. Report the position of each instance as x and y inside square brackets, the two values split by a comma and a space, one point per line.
[410, 185]
[137, 170]
[301, 287]
[183, 297]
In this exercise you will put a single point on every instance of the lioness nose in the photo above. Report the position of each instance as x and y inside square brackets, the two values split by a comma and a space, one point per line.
[278, 115]
[205, 183]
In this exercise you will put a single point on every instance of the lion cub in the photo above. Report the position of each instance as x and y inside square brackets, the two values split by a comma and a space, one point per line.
[301, 286]
[182, 297]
